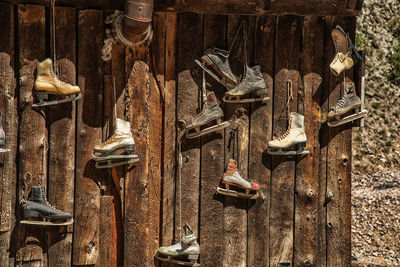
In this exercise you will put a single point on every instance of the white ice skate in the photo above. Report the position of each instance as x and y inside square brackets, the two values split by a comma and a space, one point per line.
[295, 137]
[232, 184]
[118, 149]
[2, 139]
[185, 252]
[47, 83]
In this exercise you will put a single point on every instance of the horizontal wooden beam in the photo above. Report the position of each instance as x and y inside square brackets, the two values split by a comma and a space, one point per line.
[223, 7]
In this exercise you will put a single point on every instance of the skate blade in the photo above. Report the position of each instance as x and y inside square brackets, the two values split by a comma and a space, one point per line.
[102, 164]
[47, 223]
[238, 99]
[234, 193]
[68, 98]
[122, 152]
[3, 150]
[208, 130]
[281, 152]
[348, 119]
[189, 260]
[223, 81]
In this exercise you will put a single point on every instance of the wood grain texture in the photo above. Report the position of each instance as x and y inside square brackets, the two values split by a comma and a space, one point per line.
[260, 133]
[287, 55]
[169, 131]
[339, 171]
[212, 161]
[155, 131]
[190, 34]
[307, 169]
[33, 146]
[8, 108]
[137, 232]
[106, 242]
[89, 132]
[236, 147]
[61, 121]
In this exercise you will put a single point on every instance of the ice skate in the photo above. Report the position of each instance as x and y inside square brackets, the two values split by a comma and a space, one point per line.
[293, 141]
[47, 83]
[232, 184]
[211, 112]
[343, 51]
[252, 88]
[38, 211]
[349, 102]
[2, 139]
[185, 252]
[118, 149]
[215, 62]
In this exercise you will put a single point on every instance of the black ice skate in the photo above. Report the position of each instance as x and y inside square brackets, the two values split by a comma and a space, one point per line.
[349, 102]
[185, 252]
[211, 112]
[252, 88]
[39, 212]
[2, 139]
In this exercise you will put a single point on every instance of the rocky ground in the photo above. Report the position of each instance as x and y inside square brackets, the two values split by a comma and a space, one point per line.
[376, 177]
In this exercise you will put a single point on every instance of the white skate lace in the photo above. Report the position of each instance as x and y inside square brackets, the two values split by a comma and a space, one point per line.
[340, 103]
[56, 78]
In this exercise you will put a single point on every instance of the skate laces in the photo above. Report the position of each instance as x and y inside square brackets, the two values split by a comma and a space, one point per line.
[280, 138]
[55, 77]
[45, 200]
[340, 103]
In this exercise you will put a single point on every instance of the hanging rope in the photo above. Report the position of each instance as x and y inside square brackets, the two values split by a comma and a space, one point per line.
[180, 185]
[53, 21]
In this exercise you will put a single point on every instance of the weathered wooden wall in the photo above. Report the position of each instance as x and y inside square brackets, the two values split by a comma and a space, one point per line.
[123, 215]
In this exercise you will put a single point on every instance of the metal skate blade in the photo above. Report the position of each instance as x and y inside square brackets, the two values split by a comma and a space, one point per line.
[68, 98]
[3, 150]
[47, 223]
[237, 99]
[102, 164]
[281, 152]
[208, 130]
[117, 155]
[234, 193]
[215, 76]
[348, 119]
[187, 260]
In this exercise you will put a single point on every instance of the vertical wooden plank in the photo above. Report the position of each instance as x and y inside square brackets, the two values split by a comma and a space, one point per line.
[157, 61]
[8, 108]
[236, 147]
[61, 121]
[189, 79]
[33, 145]
[339, 171]
[138, 185]
[106, 254]
[169, 136]
[352, 4]
[260, 133]
[89, 131]
[307, 169]
[212, 162]
[287, 55]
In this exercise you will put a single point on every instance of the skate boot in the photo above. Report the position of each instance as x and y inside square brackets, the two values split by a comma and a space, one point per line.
[211, 112]
[232, 184]
[343, 51]
[349, 102]
[38, 208]
[185, 252]
[118, 149]
[47, 83]
[2, 139]
[252, 88]
[295, 137]
[215, 62]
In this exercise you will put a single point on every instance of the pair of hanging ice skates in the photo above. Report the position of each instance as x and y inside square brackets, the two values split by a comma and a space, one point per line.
[246, 87]
[344, 60]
